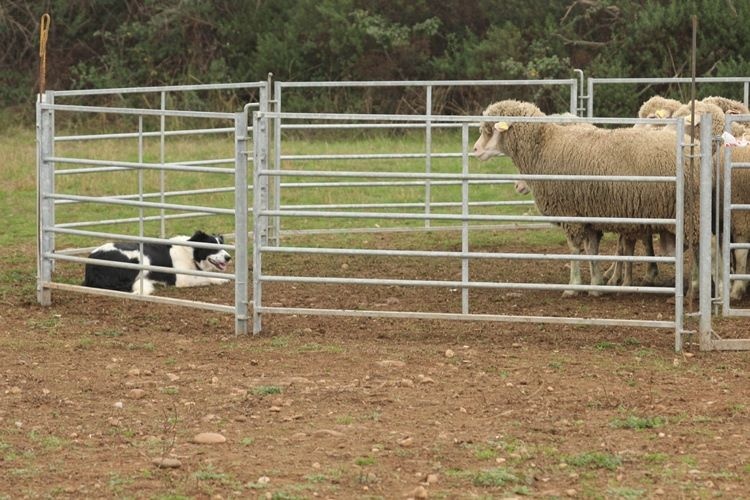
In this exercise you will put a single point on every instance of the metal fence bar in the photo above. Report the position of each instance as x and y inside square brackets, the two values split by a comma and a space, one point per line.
[134, 164]
[470, 317]
[145, 204]
[132, 135]
[145, 239]
[706, 183]
[492, 285]
[45, 204]
[163, 88]
[241, 300]
[139, 267]
[679, 236]
[465, 254]
[465, 223]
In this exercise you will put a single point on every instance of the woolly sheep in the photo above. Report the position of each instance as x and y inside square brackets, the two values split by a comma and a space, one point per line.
[622, 272]
[548, 148]
[740, 223]
[731, 107]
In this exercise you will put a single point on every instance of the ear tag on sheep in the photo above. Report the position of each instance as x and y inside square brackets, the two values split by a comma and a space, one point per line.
[502, 126]
[731, 141]
[661, 113]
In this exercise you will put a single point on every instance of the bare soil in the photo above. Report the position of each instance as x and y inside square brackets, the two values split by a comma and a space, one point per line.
[93, 390]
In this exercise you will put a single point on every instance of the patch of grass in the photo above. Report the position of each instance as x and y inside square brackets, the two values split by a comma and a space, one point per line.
[316, 478]
[498, 476]
[171, 390]
[279, 342]
[247, 441]
[345, 420]
[265, 390]
[656, 458]
[108, 333]
[315, 347]
[635, 422]
[363, 461]
[605, 345]
[282, 495]
[84, 343]
[146, 346]
[484, 453]
[631, 342]
[117, 483]
[624, 492]
[594, 460]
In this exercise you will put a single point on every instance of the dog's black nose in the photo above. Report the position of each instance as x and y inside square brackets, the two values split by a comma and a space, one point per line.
[229, 257]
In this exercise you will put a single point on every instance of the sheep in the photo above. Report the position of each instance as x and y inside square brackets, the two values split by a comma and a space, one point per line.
[731, 107]
[622, 272]
[657, 107]
[740, 223]
[548, 148]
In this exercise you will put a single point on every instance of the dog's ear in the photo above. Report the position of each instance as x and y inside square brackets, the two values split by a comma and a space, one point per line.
[220, 237]
[198, 236]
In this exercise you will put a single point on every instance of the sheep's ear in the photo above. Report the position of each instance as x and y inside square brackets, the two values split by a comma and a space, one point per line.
[502, 126]
[661, 113]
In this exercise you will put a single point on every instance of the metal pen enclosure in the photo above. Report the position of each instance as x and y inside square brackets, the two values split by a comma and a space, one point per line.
[50, 200]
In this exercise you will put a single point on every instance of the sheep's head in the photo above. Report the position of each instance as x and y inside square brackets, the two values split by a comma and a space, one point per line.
[694, 123]
[728, 106]
[489, 143]
[658, 107]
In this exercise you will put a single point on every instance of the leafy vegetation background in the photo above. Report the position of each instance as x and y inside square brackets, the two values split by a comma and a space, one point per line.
[116, 43]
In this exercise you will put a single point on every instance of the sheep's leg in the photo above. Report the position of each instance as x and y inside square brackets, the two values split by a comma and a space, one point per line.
[575, 267]
[740, 267]
[592, 248]
[627, 279]
[653, 270]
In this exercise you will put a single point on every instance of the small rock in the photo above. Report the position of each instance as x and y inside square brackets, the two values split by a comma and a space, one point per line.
[419, 492]
[406, 442]
[406, 382]
[166, 463]
[134, 372]
[275, 409]
[118, 404]
[392, 301]
[263, 480]
[172, 377]
[432, 478]
[449, 353]
[391, 363]
[659, 491]
[209, 438]
[45, 392]
[316, 465]
[136, 393]
[14, 390]
[425, 380]
[571, 492]
[327, 432]
[214, 380]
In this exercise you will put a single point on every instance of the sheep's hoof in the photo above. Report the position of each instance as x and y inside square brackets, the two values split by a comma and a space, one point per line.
[570, 293]
[736, 294]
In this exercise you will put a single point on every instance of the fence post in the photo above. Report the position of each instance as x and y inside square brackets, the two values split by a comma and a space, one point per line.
[679, 272]
[465, 213]
[428, 152]
[705, 243]
[240, 223]
[260, 203]
[45, 130]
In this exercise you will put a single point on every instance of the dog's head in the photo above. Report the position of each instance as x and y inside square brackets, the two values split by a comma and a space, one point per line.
[210, 259]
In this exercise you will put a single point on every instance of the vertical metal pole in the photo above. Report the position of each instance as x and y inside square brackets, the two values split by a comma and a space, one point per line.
[574, 97]
[704, 263]
[746, 93]
[726, 208]
[260, 203]
[240, 223]
[428, 157]
[679, 237]
[579, 105]
[162, 156]
[276, 180]
[465, 214]
[45, 205]
[590, 97]
[140, 196]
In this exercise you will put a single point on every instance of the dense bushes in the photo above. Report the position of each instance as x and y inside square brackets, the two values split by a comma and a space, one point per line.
[113, 43]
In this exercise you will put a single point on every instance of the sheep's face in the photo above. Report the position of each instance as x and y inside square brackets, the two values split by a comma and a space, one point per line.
[694, 124]
[488, 144]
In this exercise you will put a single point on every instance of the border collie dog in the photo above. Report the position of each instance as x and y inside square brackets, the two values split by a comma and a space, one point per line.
[176, 256]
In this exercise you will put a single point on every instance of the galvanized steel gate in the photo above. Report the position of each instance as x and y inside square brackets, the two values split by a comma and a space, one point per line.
[268, 211]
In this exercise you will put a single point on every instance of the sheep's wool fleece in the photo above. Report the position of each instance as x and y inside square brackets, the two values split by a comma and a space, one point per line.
[548, 148]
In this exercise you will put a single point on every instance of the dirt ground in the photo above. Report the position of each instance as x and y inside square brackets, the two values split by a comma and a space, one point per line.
[93, 390]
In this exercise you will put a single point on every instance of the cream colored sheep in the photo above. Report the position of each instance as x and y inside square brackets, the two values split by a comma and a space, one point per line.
[740, 223]
[548, 148]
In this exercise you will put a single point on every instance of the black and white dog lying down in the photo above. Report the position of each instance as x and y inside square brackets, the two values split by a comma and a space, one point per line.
[178, 257]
